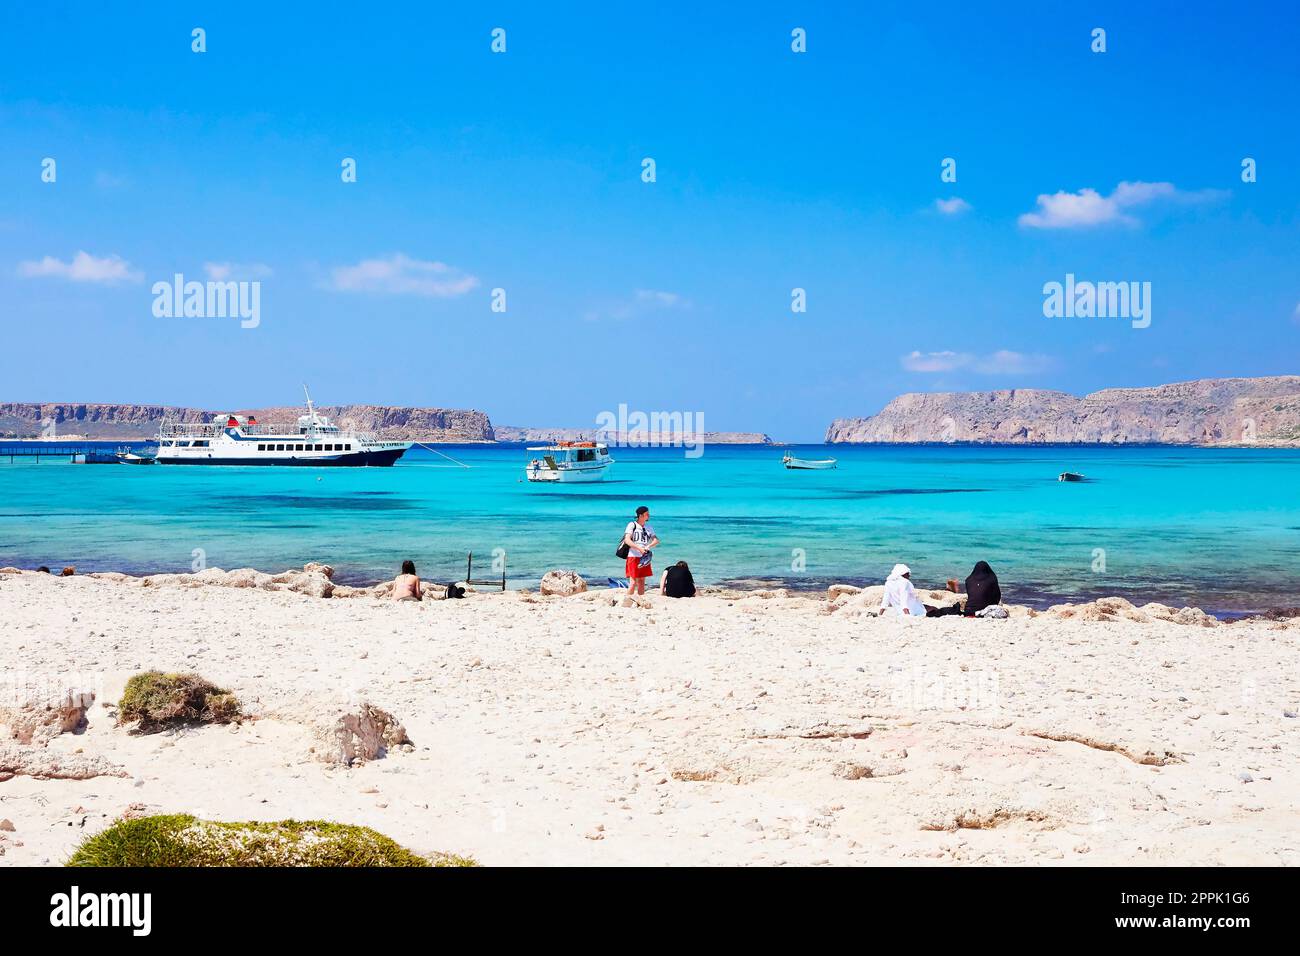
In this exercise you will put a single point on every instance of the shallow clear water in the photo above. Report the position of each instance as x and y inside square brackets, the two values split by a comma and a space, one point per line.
[1219, 528]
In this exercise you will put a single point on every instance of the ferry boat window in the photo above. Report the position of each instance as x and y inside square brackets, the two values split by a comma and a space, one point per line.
[586, 454]
[201, 443]
[279, 448]
[261, 448]
[329, 447]
[182, 444]
[348, 447]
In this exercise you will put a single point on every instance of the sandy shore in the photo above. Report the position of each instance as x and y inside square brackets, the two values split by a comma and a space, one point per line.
[720, 730]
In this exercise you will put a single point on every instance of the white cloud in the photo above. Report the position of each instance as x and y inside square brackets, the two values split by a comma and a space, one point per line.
[1088, 208]
[952, 207]
[667, 300]
[1001, 362]
[83, 268]
[401, 275]
[1006, 362]
[935, 361]
[640, 302]
[221, 271]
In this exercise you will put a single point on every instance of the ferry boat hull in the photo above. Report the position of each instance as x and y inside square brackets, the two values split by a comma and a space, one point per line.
[357, 459]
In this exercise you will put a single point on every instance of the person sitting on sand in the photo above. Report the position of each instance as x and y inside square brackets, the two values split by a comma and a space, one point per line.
[677, 581]
[640, 539]
[900, 594]
[982, 589]
[406, 586]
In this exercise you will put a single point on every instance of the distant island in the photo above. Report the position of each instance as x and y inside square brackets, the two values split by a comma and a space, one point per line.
[1216, 411]
[103, 421]
[136, 422]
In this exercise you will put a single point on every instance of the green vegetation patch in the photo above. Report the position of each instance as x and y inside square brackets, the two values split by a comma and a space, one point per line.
[183, 840]
[158, 700]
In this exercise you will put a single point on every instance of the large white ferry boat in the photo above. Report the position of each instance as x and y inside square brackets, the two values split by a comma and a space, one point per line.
[243, 440]
[570, 461]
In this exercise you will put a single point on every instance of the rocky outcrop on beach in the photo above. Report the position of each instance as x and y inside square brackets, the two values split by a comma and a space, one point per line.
[847, 600]
[134, 422]
[350, 735]
[39, 720]
[1224, 411]
[517, 433]
[29, 727]
[312, 580]
[562, 583]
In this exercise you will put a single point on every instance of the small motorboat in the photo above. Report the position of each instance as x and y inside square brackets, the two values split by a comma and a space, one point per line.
[808, 464]
[1071, 476]
[127, 457]
[570, 461]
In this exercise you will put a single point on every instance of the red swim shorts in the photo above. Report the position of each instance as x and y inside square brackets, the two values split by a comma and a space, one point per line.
[635, 569]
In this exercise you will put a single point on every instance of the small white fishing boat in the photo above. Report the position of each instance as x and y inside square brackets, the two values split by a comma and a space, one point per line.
[811, 464]
[127, 457]
[569, 462]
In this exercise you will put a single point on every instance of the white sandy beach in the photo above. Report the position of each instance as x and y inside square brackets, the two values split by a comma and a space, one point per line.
[719, 730]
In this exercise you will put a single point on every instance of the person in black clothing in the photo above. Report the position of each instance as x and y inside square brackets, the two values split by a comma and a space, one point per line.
[677, 581]
[982, 589]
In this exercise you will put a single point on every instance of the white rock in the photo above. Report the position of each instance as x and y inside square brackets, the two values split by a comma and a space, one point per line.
[563, 583]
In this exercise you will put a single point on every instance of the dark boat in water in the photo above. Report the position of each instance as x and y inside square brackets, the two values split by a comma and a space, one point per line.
[1071, 476]
[99, 458]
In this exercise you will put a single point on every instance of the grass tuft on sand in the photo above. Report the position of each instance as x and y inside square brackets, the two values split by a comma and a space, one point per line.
[183, 840]
[159, 700]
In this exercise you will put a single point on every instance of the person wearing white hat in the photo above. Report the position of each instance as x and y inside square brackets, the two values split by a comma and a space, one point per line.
[900, 594]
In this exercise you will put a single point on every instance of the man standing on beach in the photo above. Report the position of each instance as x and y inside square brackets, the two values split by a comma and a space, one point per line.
[640, 539]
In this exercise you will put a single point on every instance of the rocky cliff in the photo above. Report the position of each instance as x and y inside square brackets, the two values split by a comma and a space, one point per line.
[108, 421]
[1205, 412]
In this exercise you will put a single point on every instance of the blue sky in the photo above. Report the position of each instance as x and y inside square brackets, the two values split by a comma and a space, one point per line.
[522, 171]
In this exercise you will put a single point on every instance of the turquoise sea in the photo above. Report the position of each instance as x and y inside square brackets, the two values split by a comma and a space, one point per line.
[1218, 528]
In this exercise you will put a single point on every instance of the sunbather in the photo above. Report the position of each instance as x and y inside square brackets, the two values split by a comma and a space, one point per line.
[406, 586]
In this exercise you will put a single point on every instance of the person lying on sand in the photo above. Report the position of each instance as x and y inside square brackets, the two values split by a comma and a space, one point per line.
[677, 581]
[406, 586]
[900, 595]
